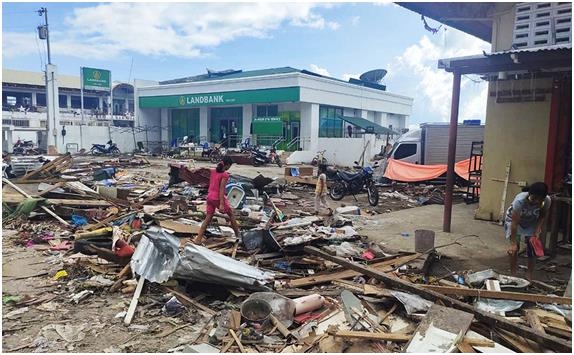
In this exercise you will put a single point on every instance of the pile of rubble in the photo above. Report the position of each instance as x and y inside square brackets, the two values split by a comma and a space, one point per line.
[294, 282]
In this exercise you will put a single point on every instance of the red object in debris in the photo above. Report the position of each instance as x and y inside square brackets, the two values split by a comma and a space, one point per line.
[368, 255]
[123, 249]
[136, 224]
[305, 317]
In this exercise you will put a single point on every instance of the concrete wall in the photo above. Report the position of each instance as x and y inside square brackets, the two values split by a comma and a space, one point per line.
[503, 27]
[517, 132]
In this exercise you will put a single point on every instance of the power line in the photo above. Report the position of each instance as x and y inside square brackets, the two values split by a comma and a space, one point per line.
[18, 12]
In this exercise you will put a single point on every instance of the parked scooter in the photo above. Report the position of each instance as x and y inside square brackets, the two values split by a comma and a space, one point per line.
[259, 157]
[109, 148]
[354, 183]
[25, 148]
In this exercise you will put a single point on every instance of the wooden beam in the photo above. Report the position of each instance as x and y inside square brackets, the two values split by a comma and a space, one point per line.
[492, 320]
[396, 337]
[465, 347]
[516, 296]
[189, 302]
[241, 348]
[384, 266]
[134, 302]
[534, 321]
[517, 342]
[46, 209]
[11, 198]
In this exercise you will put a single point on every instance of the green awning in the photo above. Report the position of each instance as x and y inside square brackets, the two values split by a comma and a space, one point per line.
[368, 126]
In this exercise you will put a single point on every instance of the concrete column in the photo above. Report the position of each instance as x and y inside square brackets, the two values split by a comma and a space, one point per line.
[34, 99]
[9, 140]
[247, 118]
[310, 126]
[100, 103]
[68, 101]
[365, 114]
[165, 125]
[53, 117]
[203, 123]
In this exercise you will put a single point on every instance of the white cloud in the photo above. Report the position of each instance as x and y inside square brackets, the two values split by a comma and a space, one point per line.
[316, 69]
[167, 29]
[415, 73]
[346, 76]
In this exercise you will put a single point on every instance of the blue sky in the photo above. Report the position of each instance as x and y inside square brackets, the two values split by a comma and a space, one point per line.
[161, 41]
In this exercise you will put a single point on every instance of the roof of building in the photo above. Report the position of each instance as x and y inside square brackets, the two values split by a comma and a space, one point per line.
[368, 126]
[37, 78]
[474, 18]
[555, 57]
[239, 74]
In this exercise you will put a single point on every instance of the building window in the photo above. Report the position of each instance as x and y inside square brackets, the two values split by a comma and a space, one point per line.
[330, 125]
[267, 111]
[41, 100]
[62, 101]
[76, 101]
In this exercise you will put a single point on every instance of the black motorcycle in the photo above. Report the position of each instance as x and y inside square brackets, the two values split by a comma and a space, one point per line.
[259, 157]
[25, 148]
[109, 148]
[353, 183]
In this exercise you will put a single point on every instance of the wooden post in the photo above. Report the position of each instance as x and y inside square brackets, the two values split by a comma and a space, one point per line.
[548, 341]
[46, 209]
[451, 152]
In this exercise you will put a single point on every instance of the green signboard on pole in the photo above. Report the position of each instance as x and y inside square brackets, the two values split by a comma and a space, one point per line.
[96, 79]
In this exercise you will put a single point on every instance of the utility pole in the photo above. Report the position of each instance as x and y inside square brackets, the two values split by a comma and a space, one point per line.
[52, 121]
[44, 11]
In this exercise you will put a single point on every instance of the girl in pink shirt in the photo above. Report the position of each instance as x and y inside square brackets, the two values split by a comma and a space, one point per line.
[216, 198]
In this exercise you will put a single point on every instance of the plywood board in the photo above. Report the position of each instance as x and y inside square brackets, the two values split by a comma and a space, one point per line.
[440, 330]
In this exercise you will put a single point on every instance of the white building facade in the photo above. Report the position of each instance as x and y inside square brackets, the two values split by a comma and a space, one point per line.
[293, 109]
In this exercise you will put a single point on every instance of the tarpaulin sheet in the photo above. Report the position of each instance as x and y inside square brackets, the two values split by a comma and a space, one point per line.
[401, 171]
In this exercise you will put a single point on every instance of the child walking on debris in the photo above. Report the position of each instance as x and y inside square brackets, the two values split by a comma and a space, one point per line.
[524, 218]
[216, 198]
[321, 189]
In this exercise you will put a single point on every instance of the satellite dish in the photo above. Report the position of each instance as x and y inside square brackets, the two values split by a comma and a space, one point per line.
[373, 76]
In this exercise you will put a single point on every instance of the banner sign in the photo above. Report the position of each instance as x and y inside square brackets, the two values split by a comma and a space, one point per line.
[96, 79]
[286, 94]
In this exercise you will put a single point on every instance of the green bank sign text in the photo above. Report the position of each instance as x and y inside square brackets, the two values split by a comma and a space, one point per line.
[289, 94]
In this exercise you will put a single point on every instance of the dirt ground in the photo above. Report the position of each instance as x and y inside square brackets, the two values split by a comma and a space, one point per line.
[92, 325]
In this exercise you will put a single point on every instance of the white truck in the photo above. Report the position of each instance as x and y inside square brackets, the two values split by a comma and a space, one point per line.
[428, 145]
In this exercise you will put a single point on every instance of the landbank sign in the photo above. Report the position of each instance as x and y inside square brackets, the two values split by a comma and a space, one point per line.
[288, 94]
[96, 79]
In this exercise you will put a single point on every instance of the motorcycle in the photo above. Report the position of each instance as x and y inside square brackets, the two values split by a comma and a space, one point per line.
[353, 183]
[217, 153]
[24, 148]
[259, 157]
[105, 149]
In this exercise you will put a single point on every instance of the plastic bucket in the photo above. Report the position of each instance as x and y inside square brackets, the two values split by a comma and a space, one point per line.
[424, 240]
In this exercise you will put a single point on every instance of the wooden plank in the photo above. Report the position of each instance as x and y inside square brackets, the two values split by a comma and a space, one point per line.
[517, 296]
[134, 302]
[237, 341]
[440, 330]
[189, 302]
[534, 321]
[51, 188]
[396, 337]
[179, 227]
[517, 342]
[384, 266]
[46, 209]
[490, 319]
[11, 198]
[464, 347]
[478, 342]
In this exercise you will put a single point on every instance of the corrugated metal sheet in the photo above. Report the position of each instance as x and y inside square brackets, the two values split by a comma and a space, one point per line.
[553, 47]
[157, 258]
